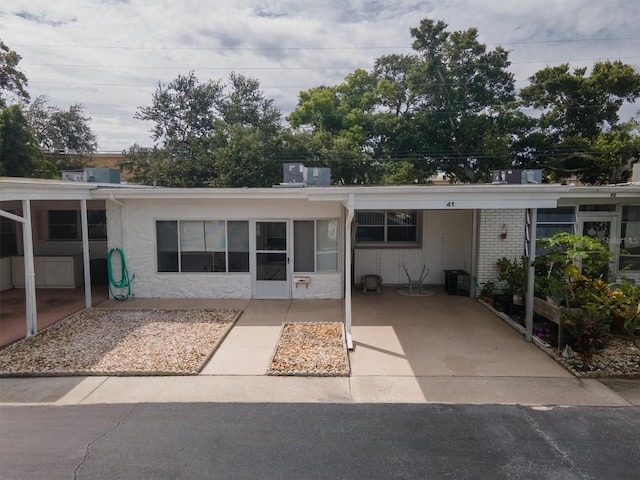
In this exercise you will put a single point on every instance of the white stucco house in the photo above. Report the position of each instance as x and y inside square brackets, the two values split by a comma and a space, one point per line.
[302, 242]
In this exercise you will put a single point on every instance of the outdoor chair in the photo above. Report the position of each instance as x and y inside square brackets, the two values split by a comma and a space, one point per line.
[416, 283]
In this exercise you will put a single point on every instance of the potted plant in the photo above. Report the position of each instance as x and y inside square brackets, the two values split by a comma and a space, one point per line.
[514, 274]
[556, 290]
[486, 292]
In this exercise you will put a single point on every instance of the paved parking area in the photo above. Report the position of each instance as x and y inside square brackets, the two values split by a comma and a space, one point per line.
[437, 349]
[52, 304]
[439, 335]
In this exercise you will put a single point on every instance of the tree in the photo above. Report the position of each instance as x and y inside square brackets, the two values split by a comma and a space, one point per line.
[12, 80]
[576, 105]
[182, 110]
[64, 136]
[395, 138]
[614, 152]
[20, 154]
[579, 131]
[209, 134]
[245, 104]
[464, 91]
[393, 87]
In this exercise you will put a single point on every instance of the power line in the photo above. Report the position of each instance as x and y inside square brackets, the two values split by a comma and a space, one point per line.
[300, 48]
[316, 67]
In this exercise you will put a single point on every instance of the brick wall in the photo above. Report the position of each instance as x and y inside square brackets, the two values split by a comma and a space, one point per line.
[492, 247]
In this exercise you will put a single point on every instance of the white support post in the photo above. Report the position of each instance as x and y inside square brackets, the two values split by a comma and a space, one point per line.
[347, 272]
[531, 275]
[474, 253]
[29, 270]
[85, 254]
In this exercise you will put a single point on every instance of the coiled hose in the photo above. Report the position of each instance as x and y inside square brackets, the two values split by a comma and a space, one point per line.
[124, 282]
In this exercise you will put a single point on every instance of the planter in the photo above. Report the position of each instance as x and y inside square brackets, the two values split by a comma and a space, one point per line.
[551, 312]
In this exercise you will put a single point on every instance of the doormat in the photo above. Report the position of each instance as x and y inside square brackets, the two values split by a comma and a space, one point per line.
[314, 349]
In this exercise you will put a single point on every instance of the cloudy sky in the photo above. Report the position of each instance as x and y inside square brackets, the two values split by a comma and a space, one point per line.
[110, 55]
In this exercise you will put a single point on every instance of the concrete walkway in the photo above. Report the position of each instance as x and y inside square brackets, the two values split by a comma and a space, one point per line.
[437, 349]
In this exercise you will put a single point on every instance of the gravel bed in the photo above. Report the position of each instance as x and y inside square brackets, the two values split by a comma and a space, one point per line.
[619, 358]
[311, 349]
[121, 342]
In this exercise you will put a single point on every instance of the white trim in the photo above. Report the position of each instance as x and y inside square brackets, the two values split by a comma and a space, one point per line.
[85, 254]
[474, 253]
[347, 272]
[29, 271]
[531, 276]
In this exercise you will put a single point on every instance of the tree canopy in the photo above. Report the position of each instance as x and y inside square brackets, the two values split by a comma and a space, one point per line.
[20, 154]
[28, 129]
[209, 134]
[578, 132]
[64, 136]
[449, 107]
[12, 80]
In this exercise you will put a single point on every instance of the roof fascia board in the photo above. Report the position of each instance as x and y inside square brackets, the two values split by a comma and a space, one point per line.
[40, 189]
[589, 195]
[23, 193]
[410, 193]
[458, 204]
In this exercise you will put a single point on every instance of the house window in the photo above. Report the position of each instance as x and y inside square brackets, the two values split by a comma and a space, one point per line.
[97, 224]
[315, 245]
[63, 225]
[397, 227]
[8, 239]
[202, 246]
[630, 239]
[552, 220]
[597, 208]
[66, 224]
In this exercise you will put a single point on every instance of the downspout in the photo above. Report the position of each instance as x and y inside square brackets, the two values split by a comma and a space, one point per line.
[122, 218]
[85, 254]
[347, 272]
[531, 277]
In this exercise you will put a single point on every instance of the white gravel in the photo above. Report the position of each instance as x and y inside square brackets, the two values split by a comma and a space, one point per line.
[121, 342]
[619, 358]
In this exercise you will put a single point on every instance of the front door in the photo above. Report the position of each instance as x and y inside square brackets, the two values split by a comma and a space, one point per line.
[272, 260]
[605, 229]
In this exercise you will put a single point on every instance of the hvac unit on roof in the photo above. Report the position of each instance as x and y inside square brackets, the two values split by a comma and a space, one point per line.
[514, 176]
[317, 177]
[293, 173]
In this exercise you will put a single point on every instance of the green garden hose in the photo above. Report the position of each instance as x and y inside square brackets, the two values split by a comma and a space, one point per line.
[125, 281]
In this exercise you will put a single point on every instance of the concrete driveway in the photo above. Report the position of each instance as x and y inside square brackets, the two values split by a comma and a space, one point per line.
[438, 349]
[439, 335]
[394, 335]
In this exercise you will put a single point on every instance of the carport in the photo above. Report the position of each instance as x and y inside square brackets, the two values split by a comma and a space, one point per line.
[473, 198]
[16, 200]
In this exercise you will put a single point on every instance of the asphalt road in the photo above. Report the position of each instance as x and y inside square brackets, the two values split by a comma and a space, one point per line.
[318, 441]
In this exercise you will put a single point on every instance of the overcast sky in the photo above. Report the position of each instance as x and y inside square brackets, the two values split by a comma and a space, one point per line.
[110, 55]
